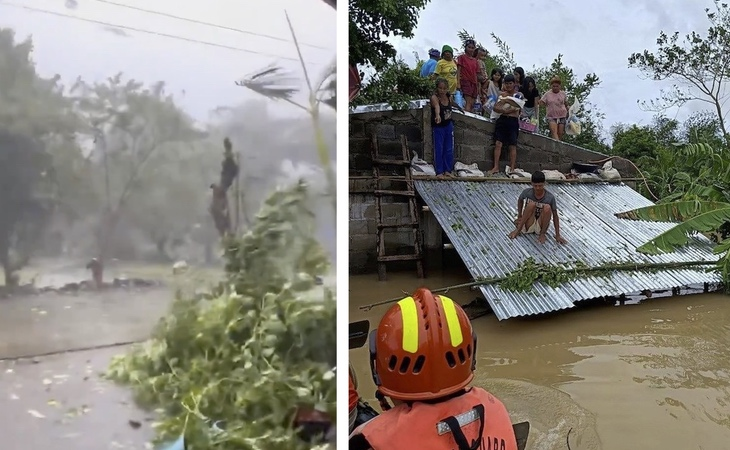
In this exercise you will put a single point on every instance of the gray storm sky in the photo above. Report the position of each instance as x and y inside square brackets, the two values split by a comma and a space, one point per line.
[205, 73]
[596, 36]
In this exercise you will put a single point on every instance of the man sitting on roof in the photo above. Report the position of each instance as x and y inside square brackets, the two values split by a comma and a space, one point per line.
[422, 356]
[535, 218]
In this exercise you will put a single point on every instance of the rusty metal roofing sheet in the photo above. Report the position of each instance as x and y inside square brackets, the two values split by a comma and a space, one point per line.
[477, 216]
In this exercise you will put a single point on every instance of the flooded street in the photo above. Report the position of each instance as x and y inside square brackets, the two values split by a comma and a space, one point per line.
[59, 401]
[613, 376]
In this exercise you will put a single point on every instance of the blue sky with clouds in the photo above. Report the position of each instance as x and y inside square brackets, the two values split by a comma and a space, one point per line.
[593, 37]
[206, 74]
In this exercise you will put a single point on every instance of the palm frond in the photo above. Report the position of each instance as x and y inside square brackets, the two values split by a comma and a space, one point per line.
[273, 82]
[677, 211]
[678, 236]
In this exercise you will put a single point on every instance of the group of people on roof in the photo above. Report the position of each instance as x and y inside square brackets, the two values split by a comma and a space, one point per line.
[508, 99]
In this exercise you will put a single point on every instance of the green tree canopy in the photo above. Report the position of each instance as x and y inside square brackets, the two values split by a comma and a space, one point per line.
[697, 64]
[373, 21]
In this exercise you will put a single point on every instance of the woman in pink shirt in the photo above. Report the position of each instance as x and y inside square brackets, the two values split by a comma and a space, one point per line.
[556, 103]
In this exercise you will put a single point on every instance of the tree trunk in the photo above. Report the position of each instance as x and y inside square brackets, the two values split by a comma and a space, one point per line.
[160, 244]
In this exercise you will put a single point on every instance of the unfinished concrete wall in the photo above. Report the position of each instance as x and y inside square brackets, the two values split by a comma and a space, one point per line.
[388, 127]
[474, 143]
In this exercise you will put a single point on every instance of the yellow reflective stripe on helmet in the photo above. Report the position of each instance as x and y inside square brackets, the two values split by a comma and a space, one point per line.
[452, 321]
[409, 313]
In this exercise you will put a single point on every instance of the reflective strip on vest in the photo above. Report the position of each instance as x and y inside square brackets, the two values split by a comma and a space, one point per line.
[409, 314]
[452, 321]
[464, 419]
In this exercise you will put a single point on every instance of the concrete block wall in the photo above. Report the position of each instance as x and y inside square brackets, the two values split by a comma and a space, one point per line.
[388, 126]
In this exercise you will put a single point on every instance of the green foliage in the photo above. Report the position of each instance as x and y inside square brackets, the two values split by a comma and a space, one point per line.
[695, 216]
[697, 65]
[373, 21]
[35, 117]
[526, 274]
[696, 180]
[523, 278]
[692, 171]
[261, 345]
[396, 84]
[633, 142]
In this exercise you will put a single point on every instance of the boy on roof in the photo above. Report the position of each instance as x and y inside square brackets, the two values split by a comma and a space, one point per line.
[534, 216]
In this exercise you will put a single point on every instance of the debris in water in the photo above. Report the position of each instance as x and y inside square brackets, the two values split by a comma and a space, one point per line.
[134, 424]
[36, 414]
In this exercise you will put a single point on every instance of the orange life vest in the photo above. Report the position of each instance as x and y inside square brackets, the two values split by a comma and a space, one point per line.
[425, 426]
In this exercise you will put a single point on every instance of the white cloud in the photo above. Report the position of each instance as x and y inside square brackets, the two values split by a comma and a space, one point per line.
[593, 37]
[205, 74]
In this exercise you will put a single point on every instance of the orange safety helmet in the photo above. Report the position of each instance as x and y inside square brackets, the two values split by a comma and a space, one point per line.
[423, 348]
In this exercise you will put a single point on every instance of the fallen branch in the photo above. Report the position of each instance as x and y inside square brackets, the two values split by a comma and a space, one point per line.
[577, 270]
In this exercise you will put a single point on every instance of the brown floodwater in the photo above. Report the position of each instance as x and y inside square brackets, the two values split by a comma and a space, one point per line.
[653, 375]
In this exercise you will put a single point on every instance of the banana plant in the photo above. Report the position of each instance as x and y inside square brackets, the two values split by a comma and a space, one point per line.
[702, 207]
[277, 83]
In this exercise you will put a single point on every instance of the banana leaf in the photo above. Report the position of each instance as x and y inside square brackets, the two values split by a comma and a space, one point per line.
[694, 217]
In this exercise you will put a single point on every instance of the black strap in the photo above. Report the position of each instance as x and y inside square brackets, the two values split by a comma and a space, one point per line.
[458, 433]
[358, 442]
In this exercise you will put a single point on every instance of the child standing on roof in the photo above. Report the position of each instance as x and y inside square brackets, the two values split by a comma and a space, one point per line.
[443, 129]
[446, 69]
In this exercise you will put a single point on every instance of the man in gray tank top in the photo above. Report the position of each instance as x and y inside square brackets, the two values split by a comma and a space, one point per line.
[535, 207]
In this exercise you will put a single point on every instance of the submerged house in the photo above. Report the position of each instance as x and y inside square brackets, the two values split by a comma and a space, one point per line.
[473, 216]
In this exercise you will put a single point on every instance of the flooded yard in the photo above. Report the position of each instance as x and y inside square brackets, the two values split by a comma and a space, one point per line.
[643, 376]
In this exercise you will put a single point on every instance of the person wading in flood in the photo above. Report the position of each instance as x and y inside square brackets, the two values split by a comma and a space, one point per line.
[422, 356]
[535, 218]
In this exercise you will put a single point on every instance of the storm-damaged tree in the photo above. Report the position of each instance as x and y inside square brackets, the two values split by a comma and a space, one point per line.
[131, 123]
[219, 205]
[35, 117]
[697, 65]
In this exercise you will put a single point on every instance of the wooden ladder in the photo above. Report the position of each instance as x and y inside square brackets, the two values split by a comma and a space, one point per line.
[412, 221]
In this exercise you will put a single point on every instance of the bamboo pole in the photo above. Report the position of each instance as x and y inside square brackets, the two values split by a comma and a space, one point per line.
[608, 267]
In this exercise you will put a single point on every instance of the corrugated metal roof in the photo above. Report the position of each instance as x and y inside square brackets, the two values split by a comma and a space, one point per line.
[486, 211]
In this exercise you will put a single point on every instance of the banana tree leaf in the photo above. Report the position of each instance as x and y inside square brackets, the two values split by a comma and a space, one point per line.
[678, 211]
[678, 236]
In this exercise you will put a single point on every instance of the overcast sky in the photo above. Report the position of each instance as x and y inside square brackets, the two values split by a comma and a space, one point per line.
[206, 74]
[595, 36]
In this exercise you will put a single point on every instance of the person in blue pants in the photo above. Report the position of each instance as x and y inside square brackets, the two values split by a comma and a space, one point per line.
[442, 125]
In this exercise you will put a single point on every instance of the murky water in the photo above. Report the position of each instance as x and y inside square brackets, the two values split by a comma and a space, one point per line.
[647, 376]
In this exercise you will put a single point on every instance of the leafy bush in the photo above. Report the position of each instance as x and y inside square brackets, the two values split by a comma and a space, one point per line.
[396, 84]
[261, 344]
